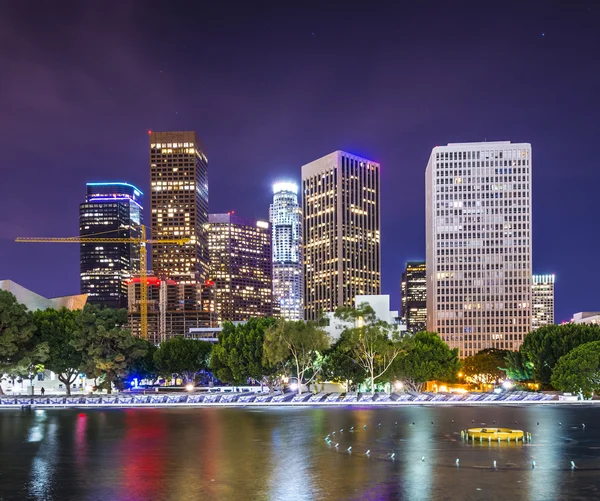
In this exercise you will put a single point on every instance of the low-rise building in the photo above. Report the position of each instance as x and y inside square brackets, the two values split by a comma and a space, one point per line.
[586, 317]
[380, 304]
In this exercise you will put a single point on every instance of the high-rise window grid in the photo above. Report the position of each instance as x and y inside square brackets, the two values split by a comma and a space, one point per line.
[341, 233]
[285, 215]
[111, 210]
[414, 296]
[542, 300]
[241, 269]
[479, 244]
[179, 205]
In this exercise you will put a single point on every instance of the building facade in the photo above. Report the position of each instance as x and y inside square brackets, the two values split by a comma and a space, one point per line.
[586, 317]
[542, 301]
[179, 205]
[478, 227]
[241, 282]
[285, 216]
[110, 210]
[173, 308]
[341, 231]
[414, 296]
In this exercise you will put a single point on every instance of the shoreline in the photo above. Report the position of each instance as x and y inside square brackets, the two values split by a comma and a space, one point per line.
[148, 402]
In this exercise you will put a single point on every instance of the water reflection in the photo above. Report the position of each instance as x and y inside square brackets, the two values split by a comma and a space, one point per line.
[189, 454]
[44, 462]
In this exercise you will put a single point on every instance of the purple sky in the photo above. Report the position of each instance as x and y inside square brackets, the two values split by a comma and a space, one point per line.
[271, 87]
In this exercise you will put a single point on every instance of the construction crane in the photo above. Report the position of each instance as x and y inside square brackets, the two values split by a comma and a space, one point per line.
[141, 241]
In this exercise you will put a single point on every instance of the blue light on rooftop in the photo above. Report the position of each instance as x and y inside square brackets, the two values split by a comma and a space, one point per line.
[118, 184]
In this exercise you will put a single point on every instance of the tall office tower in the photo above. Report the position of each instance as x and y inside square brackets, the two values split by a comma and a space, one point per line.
[110, 210]
[241, 273]
[179, 203]
[478, 227]
[414, 296]
[285, 215]
[340, 211]
[542, 301]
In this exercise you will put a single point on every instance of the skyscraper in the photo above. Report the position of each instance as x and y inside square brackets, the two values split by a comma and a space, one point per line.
[110, 210]
[340, 211]
[179, 204]
[542, 301]
[414, 296]
[241, 273]
[478, 218]
[285, 215]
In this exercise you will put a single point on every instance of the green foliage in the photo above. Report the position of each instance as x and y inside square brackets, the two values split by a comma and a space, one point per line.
[579, 370]
[144, 367]
[302, 342]
[20, 352]
[184, 357]
[238, 355]
[485, 366]
[545, 346]
[427, 358]
[108, 349]
[516, 368]
[339, 364]
[370, 342]
[58, 328]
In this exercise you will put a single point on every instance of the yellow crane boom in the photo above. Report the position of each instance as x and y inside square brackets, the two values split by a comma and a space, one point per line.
[142, 241]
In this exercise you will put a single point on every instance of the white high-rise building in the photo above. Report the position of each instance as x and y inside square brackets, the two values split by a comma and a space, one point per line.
[340, 210]
[478, 227]
[542, 301]
[285, 215]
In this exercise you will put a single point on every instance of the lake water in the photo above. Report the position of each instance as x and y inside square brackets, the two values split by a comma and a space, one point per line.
[281, 454]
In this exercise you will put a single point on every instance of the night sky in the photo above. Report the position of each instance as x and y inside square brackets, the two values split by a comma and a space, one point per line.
[270, 87]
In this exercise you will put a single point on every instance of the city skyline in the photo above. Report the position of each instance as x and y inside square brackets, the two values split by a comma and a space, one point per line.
[101, 99]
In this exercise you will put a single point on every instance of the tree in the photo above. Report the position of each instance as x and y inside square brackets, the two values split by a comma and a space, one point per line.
[544, 346]
[144, 367]
[184, 357]
[340, 366]
[304, 342]
[427, 358]
[108, 349]
[57, 328]
[19, 354]
[372, 343]
[516, 368]
[485, 366]
[238, 356]
[579, 370]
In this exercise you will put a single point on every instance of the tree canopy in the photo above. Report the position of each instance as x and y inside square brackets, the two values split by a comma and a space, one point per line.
[545, 346]
[427, 358]
[485, 366]
[238, 356]
[20, 352]
[145, 366]
[516, 368]
[339, 364]
[303, 342]
[579, 370]
[58, 329]
[108, 348]
[370, 342]
[184, 357]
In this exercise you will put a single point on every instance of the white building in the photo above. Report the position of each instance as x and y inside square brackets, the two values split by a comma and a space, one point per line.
[285, 215]
[586, 317]
[542, 301]
[380, 304]
[478, 228]
[341, 217]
